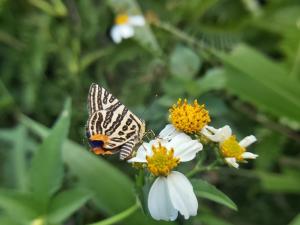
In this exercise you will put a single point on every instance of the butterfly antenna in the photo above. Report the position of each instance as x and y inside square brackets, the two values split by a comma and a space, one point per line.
[145, 149]
[143, 113]
[151, 132]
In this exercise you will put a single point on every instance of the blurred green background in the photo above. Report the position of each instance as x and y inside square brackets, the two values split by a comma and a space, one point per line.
[241, 58]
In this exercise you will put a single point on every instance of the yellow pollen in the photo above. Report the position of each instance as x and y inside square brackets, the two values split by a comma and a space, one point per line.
[121, 19]
[189, 118]
[162, 161]
[231, 148]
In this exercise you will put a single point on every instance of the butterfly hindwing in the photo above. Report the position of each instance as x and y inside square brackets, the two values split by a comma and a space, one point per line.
[109, 118]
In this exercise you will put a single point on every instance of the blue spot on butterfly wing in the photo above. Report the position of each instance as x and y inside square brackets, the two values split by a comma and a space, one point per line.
[94, 144]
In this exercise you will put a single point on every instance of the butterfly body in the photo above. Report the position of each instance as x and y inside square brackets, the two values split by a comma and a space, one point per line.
[111, 127]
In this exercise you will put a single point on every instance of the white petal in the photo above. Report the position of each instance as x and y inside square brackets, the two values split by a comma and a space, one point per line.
[137, 20]
[232, 162]
[159, 203]
[182, 194]
[217, 135]
[249, 155]
[138, 158]
[148, 146]
[116, 34]
[179, 139]
[126, 31]
[209, 132]
[141, 153]
[248, 141]
[210, 129]
[187, 151]
[168, 132]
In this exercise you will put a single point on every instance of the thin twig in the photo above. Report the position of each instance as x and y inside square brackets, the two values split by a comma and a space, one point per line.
[119, 217]
[250, 112]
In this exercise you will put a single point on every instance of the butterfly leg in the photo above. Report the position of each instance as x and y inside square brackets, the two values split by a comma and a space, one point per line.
[126, 149]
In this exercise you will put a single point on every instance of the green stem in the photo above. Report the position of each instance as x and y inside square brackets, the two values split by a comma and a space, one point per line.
[92, 57]
[19, 157]
[119, 217]
[43, 5]
[205, 51]
[197, 168]
[253, 7]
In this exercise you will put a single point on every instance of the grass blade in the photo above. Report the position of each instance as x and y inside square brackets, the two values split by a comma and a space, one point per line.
[47, 169]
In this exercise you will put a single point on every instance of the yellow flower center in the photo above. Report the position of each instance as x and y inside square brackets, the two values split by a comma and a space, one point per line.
[121, 19]
[231, 148]
[162, 161]
[189, 118]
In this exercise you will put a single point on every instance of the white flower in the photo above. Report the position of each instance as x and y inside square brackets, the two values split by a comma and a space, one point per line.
[124, 26]
[232, 151]
[171, 192]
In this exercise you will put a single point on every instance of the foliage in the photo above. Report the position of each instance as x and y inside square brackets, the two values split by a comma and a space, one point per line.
[240, 58]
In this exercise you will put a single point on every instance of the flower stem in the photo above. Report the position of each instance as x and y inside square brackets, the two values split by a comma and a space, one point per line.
[205, 50]
[197, 168]
[117, 218]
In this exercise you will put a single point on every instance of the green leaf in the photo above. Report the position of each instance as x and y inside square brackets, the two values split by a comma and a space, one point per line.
[112, 190]
[282, 183]
[184, 62]
[258, 80]
[213, 80]
[205, 190]
[7, 220]
[6, 99]
[47, 169]
[296, 220]
[65, 203]
[17, 156]
[20, 206]
[269, 149]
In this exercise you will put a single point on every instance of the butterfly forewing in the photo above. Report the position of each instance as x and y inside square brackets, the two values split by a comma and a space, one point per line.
[109, 117]
[100, 99]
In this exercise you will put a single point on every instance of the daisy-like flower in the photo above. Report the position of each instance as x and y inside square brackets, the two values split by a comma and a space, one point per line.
[124, 26]
[189, 118]
[232, 150]
[171, 192]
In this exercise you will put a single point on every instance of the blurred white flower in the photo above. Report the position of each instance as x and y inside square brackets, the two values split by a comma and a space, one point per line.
[124, 26]
[232, 151]
[171, 192]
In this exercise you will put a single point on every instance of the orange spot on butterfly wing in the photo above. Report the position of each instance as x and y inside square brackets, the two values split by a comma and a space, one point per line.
[100, 137]
[101, 151]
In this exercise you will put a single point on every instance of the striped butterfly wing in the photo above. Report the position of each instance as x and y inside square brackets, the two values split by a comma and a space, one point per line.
[111, 118]
[100, 99]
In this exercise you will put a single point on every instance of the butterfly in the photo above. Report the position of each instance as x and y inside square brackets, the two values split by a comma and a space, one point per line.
[111, 127]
